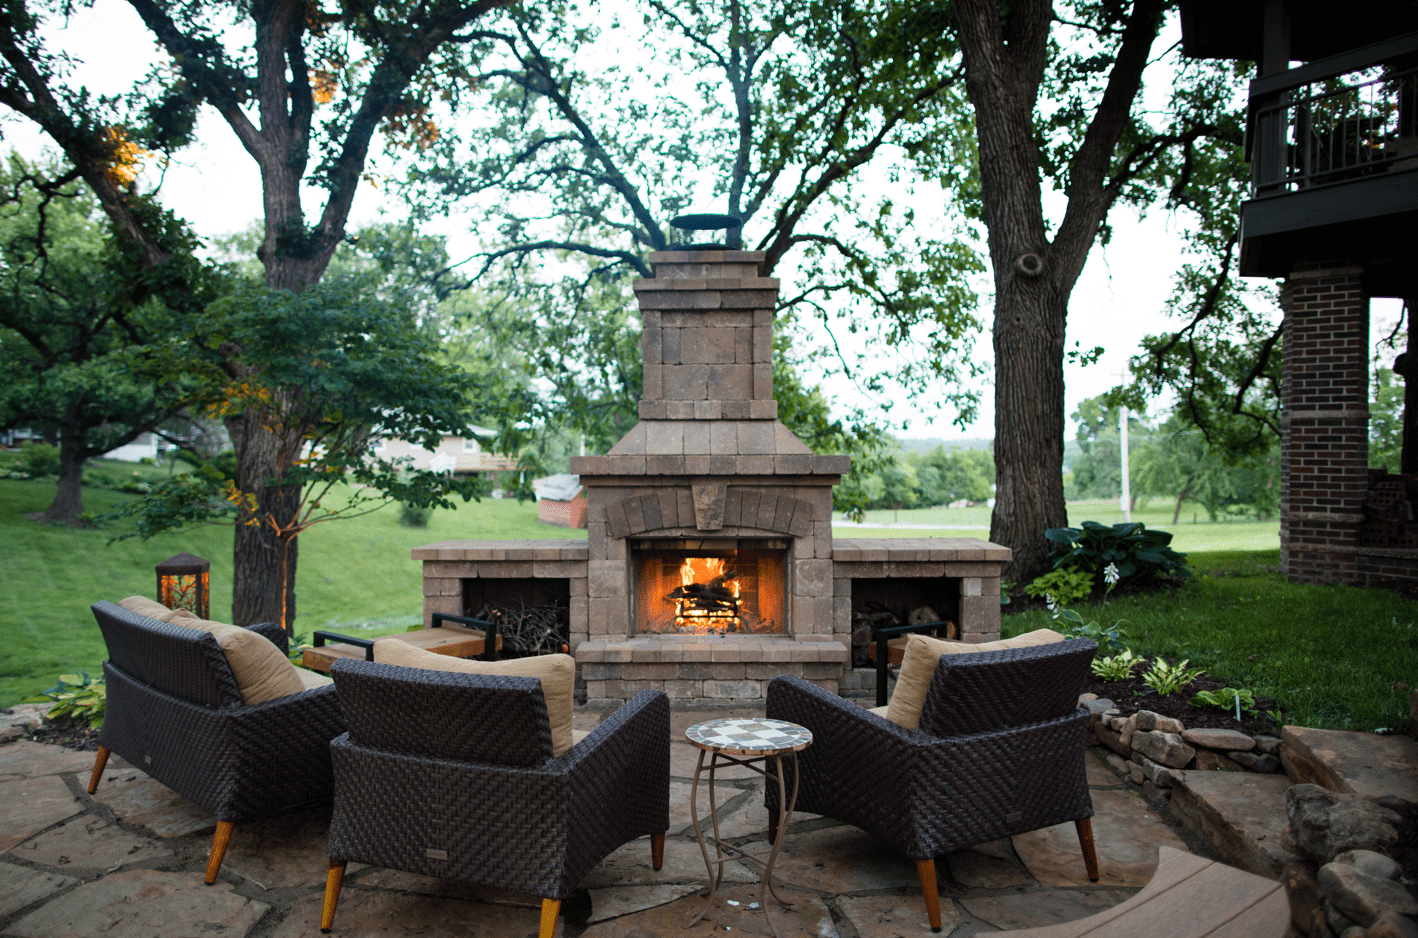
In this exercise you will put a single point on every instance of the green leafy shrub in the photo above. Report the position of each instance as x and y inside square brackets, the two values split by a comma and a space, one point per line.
[1225, 698]
[1140, 555]
[1167, 678]
[1109, 638]
[77, 696]
[1064, 586]
[412, 516]
[1116, 667]
[39, 459]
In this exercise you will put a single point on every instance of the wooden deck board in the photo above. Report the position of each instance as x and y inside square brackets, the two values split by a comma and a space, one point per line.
[456, 640]
[1188, 897]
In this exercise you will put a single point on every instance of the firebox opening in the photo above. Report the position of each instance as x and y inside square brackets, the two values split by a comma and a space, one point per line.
[718, 586]
[533, 614]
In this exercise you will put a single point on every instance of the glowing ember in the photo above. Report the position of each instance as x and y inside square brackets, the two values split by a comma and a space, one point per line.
[707, 599]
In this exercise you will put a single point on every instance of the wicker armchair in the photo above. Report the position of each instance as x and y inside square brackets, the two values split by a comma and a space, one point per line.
[999, 752]
[451, 775]
[174, 711]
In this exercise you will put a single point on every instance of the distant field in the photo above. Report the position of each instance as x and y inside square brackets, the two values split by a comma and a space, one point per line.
[1193, 532]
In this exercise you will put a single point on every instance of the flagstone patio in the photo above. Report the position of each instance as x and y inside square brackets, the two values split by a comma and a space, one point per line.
[127, 863]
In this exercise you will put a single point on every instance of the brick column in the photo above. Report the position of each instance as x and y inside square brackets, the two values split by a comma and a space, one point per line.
[1325, 421]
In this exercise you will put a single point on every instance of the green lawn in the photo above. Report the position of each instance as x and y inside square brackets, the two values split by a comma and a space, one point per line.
[354, 574]
[1329, 655]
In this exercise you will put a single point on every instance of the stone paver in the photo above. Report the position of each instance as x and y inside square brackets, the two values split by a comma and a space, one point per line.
[1242, 816]
[29, 805]
[895, 916]
[20, 887]
[368, 913]
[1126, 835]
[630, 865]
[88, 842]
[25, 759]
[839, 859]
[144, 904]
[134, 798]
[616, 901]
[279, 853]
[811, 918]
[986, 866]
[1354, 763]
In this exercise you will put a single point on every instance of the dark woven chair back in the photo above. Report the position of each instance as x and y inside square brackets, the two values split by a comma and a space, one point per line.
[995, 690]
[482, 718]
[183, 662]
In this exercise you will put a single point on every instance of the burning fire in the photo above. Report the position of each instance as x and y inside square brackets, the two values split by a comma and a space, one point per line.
[708, 597]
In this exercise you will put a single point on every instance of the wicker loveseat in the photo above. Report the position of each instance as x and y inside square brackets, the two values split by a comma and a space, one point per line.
[451, 775]
[999, 751]
[175, 711]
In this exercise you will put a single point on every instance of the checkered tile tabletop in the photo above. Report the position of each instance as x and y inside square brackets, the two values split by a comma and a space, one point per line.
[749, 737]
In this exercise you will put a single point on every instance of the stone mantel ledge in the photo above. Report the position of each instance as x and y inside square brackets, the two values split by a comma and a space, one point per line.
[540, 549]
[674, 649]
[905, 549]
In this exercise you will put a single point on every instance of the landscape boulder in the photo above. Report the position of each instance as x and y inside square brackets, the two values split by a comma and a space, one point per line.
[1324, 824]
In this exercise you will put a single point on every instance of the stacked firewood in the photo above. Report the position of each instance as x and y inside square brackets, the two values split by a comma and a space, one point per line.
[529, 630]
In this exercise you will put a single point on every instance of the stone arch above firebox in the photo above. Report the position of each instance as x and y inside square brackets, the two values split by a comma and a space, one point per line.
[743, 507]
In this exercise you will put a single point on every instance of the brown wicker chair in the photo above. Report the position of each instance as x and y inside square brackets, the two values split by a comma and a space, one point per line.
[451, 775]
[173, 711]
[999, 752]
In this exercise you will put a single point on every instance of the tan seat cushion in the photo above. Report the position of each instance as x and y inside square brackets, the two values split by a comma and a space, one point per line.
[919, 663]
[556, 672]
[262, 673]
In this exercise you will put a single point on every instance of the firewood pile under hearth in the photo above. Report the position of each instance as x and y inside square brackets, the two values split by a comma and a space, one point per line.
[528, 630]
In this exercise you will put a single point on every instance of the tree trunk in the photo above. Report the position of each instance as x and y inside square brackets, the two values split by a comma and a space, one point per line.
[256, 554]
[1029, 424]
[69, 496]
[1407, 367]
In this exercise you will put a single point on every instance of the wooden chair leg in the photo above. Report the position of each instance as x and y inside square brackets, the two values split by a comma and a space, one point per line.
[100, 760]
[1085, 839]
[657, 850]
[925, 869]
[333, 880]
[551, 908]
[219, 842]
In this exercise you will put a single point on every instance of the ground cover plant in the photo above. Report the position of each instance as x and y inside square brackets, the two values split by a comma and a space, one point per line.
[361, 579]
[1340, 657]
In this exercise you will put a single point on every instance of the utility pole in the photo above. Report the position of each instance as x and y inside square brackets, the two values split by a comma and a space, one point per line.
[1125, 500]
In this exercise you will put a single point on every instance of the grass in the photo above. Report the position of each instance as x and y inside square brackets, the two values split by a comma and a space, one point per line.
[1328, 655]
[355, 574]
[1193, 531]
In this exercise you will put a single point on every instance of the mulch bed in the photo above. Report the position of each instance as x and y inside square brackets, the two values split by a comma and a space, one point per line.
[1132, 696]
[71, 734]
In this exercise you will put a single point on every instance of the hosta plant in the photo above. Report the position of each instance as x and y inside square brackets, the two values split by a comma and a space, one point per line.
[1167, 678]
[1225, 698]
[1116, 667]
[1137, 554]
[77, 696]
[1062, 587]
[1109, 638]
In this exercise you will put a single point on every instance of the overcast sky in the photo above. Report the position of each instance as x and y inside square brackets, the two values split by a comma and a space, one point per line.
[215, 186]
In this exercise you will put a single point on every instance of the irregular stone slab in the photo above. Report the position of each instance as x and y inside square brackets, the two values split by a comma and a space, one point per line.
[1148, 721]
[630, 866]
[1228, 740]
[684, 757]
[1361, 896]
[1242, 816]
[1098, 773]
[1165, 748]
[1355, 763]
[896, 916]
[26, 759]
[741, 811]
[1369, 862]
[1264, 763]
[839, 859]
[144, 904]
[89, 842]
[1269, 745]
[1111, 738]
[625, 900]
[20, 887]
[282, 852]
[1210, 761]
[1048, 907]
[1302, 893]
[400, 881]
[29, 805]
[134, 798]
[810, 919]
[1324, 824]
[1126, 835]
[986, 866]
[372, 913]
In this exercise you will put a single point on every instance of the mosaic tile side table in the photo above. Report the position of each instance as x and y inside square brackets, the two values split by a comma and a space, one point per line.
[745, 742]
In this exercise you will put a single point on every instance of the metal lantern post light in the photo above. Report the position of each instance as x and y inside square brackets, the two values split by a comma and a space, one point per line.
[184, 581]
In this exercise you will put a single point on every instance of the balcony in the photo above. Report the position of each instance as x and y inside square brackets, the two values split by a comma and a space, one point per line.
[1333, 146]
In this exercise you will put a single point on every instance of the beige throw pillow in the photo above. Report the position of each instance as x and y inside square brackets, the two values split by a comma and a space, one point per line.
[556, 672]
[262, 673]
[919, 662]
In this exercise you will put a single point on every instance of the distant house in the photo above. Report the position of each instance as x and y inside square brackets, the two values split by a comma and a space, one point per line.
[460, 455]
[561, 500]
[146, 446]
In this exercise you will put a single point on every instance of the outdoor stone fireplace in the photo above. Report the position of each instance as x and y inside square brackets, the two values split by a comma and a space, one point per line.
[709, 565]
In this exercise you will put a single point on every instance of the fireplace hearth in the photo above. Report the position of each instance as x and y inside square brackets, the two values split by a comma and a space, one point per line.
[710, 586]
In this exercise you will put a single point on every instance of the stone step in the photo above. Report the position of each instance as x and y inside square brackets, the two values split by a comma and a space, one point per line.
[1240, 814]
[1353, 763]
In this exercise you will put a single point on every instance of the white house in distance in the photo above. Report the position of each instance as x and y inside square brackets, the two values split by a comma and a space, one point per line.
[459, 455]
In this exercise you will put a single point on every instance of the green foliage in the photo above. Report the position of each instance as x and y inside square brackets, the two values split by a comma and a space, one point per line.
[414, 516]
[1167, 678]
[1224, 698]
[1064, 586]
[39, 459]
[1140, 555]
[1117, 667]
[1177, 461]
[76, 695]
[1386, 421]
[1107, 637]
